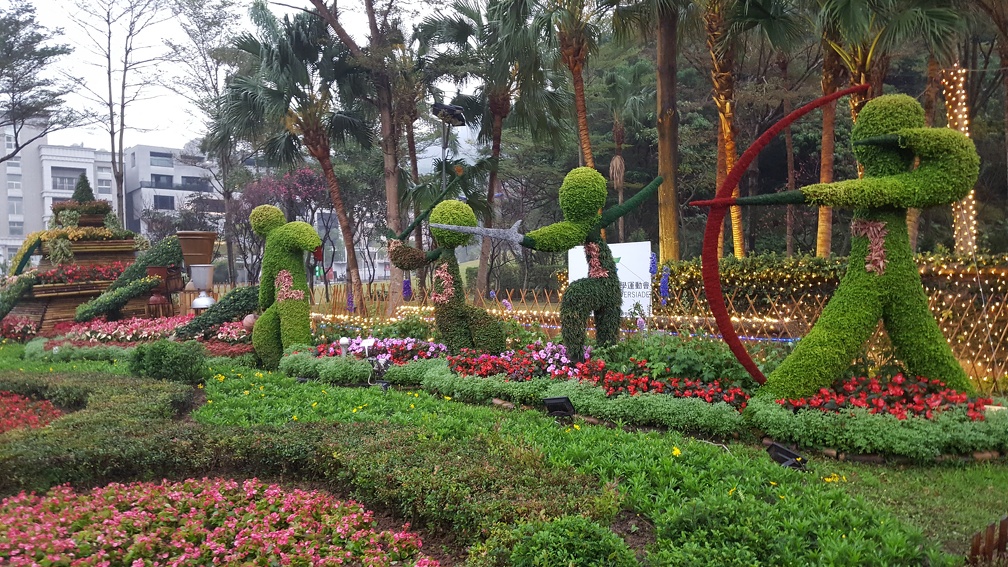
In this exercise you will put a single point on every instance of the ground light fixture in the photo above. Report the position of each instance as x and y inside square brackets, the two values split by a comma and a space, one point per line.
[559, 407]
[785, 457]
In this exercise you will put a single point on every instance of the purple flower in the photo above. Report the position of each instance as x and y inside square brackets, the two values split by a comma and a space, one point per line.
[493, 294]
[407, 289]
[641, 324]
[663, 286]
[654, 264]
[507, 305]
[349, 300]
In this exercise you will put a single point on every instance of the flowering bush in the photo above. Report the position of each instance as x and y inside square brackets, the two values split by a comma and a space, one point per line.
[232, 333]
[639, 379]
[128, 330]
[536, 360]
[396, 351]
[897, 395]
[74, 273]
[21, 329]
[198, 522]
[18, 411]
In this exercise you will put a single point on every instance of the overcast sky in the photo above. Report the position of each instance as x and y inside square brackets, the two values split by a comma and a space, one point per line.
[165, 118]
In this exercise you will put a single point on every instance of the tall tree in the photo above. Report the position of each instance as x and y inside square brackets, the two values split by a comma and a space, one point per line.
[862, 34]
[292, 92]
[374, 58]
[660, 19]
[31, 101]
[625, 100]
[206, 59]
[119, 35]
[997, 11]
[512, 83]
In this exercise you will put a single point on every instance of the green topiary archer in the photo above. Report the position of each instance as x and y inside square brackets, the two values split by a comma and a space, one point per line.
[460, 325]
[82, 191]
[283, 284]
[882, 282]
[582, 196]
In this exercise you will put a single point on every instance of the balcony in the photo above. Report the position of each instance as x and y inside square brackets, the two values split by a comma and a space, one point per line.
[202, 187]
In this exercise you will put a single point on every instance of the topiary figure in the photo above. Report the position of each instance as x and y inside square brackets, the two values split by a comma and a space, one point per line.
[283, 284]
[882, 282]
[460, 325]
[582, 196]
[82, 191]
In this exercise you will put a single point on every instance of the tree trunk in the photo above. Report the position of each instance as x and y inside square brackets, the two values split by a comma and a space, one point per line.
[391, 173]
[500, 107]
[420, 289]
[617, 168]
[1003, 42]
[956, 109]
[930, 100]
[582, 116]
[668, 137]
[789, 147]
[723, 79]
[346, 227]
[831, 72]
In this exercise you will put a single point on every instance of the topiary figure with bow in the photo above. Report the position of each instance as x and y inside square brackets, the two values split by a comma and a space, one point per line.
[283, 284]
[460, 325]
[582, 197]
[906, 165]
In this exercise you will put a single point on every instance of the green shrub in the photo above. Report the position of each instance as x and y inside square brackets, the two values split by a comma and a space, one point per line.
[234, 306]
[112, 301]
[170, 360]
[35, 350]
[570, 541]
[301, 365]
[82, 191]
[341, 370]
[410, 326]
[413, 373]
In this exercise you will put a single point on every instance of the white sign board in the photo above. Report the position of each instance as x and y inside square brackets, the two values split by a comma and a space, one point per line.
[633, 263]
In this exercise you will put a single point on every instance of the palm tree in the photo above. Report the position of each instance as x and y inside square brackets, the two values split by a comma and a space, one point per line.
[473, 41]
[861, 34]
[997, 11]
[290, 94]
[625, 100]
[660, 19]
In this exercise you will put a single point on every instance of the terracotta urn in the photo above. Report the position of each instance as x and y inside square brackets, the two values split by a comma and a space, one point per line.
[249, 321]
[197, 246]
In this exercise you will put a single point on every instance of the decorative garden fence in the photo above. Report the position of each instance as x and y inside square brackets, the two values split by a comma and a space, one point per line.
[989, 546]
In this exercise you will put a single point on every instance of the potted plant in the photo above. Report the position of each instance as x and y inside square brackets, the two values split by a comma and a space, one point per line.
[197, 246]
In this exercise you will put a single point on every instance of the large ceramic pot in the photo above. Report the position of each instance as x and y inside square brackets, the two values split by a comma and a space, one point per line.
[197, 246]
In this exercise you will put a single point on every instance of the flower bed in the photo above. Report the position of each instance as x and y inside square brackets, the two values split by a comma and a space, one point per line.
[136, 329]
[73, 273]
[20, 329]
[536, 360]
[18, 411]
[198, 522]
[396, 351]
[897, 395]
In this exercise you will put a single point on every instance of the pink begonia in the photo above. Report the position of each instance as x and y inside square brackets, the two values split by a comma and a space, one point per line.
[447, 285]
[234, 332]
[128, 330]
[198, 522]
[285, 287]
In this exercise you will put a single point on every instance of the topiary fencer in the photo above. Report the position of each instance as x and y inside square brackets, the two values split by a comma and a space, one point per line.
[582, 196]
[882, 282]
[459, 324]
[283, 284]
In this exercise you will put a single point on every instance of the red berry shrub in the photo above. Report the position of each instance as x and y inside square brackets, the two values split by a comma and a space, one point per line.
[897, 395]
[18, 411]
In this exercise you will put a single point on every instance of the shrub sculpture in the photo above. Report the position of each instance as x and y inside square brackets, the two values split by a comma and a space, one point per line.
[882, 281]
[582, 196]
[460, 325]
[283, 284]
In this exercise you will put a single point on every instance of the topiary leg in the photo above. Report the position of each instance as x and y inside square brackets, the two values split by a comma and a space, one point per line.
[823, 355]
[486, 332]
[919, 342]
[453, 326]
[578, 302]
[607, 324]
[295, 322]
[266, 338]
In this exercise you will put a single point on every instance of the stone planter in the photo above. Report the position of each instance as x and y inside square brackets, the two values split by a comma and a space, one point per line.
[197, 246]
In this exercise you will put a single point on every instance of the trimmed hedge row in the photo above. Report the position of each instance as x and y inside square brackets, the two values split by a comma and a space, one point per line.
[336, 370]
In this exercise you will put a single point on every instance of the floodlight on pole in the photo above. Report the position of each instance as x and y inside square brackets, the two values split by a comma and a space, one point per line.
[450, 115]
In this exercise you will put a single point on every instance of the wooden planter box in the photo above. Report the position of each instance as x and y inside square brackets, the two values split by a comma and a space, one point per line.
[91, 220]
[97, 252]
[70, 289]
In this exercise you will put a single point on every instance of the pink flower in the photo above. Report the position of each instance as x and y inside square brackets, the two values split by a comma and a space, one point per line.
[285, 287]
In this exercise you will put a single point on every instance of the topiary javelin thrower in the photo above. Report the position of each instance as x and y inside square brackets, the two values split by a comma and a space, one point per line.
[582, 196]
[882, 281]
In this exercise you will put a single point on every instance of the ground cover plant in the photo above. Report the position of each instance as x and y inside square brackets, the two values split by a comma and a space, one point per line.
[207, 521]
[18, 411]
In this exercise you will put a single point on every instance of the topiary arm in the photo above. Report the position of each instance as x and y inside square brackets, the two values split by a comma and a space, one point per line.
[610, 216]
[559, 236]
[297, 236]
[408, 258]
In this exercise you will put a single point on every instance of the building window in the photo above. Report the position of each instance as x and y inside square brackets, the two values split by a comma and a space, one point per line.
[64, 183]
[9, 142]
[12, 251]
[104, 186]
[164, 202]
[16, 228]
[161, 181]
[133, 159]
[104, 170]
[13, 182]
[161, 159]
[15, 206]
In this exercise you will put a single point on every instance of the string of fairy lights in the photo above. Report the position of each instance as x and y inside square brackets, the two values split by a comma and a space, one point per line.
[964, 217]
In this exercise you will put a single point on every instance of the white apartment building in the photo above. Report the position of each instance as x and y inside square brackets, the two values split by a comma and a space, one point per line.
[42, 174]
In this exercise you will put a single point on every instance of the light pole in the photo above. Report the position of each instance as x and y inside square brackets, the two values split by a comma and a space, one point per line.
[450, 115]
